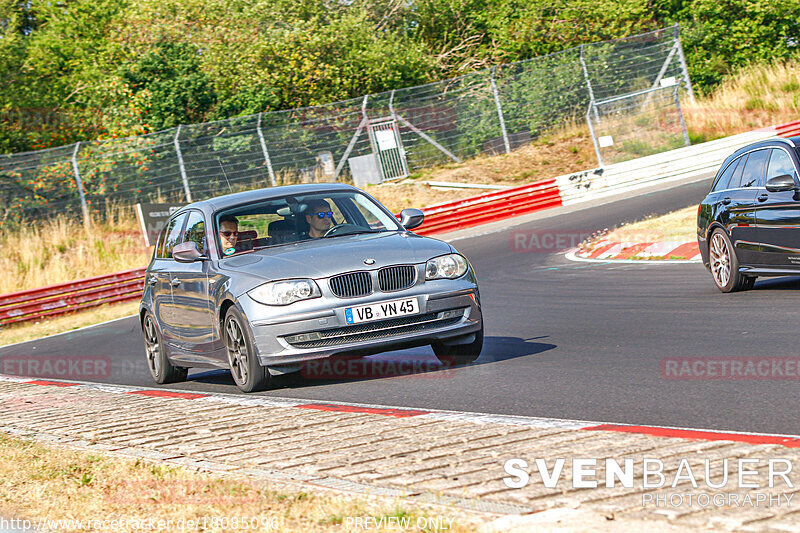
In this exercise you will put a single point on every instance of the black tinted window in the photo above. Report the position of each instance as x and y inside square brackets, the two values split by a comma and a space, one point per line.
[725, 178]
[173, 235]
[196, 231]
[755, 168]
[780, 164]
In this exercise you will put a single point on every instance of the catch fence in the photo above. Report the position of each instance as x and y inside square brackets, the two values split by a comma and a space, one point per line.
[368, 139]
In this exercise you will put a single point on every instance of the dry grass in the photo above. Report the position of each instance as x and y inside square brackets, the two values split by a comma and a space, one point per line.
[756, 97]
[27, 331]
[61, 249]
[679, 225]
[54, 483]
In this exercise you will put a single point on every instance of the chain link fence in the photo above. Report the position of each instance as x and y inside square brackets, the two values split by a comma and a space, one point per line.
[369, 139]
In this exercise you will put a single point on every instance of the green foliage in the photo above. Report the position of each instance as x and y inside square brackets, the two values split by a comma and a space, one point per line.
[721, 36]
[88, 69]
[178, 92]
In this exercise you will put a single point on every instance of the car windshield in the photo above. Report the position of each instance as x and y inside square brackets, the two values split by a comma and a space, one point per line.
[292, 219]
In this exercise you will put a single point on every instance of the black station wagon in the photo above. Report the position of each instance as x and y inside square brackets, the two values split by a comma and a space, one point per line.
[749, 224]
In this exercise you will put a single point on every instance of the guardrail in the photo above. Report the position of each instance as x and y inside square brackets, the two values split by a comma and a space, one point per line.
[64, 298]
[788, 130]
[490, 207]
[35, 304]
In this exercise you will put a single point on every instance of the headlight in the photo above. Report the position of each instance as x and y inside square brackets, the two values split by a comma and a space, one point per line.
[285, 292]
[446, 266]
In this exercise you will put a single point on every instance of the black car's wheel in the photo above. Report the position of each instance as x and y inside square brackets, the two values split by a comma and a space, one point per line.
[247, 372]
[160, 368]
[459, 354]
[725, 265]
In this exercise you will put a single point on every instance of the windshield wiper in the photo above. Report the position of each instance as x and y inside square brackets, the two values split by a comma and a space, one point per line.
[355, 232]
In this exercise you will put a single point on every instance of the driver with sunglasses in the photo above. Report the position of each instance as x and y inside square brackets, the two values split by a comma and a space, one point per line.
[228, 234]
[319, 217]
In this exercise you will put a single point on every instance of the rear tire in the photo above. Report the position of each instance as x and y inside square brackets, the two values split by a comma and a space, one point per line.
[157, 361]
[247, 372]
[459, 354]
[724, 264]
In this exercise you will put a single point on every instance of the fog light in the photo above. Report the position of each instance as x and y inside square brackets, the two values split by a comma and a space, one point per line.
[304, 337]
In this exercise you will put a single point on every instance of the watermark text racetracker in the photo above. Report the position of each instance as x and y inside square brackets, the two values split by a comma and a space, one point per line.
[700, 482]
[730, 368]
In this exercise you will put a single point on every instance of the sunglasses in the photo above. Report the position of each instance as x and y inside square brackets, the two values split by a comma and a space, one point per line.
[229, 234]
[323, 214]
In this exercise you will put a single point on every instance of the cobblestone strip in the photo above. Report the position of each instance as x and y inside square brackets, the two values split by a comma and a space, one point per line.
[448, 458]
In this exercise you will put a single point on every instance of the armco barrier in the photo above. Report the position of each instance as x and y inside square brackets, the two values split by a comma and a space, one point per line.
[441, 218]
[788, 130]
[489, 207]
[64, 298]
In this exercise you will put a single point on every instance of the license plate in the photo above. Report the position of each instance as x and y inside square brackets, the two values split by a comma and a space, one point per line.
[381, 311]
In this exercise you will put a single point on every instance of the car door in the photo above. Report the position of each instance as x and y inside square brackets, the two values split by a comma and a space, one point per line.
[739, 203]
[160, 280]
[190, 293]
[778, 215]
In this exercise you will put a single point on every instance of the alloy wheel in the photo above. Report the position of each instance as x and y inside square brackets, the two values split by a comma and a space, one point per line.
[720, 260]
[152, 346]
[237, 351]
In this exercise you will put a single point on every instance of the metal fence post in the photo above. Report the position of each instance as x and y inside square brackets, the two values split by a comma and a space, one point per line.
[266, 153]
[499, 111]
[352, 143]
[180, 165]
[686, 78]
[589, 86]
[686, 140]
[591, 132]
[79, 183]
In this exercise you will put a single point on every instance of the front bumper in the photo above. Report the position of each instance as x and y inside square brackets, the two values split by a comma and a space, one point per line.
[445, 314]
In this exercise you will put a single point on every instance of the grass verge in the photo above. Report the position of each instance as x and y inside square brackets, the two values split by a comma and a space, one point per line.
[55, 483]
[680, 225]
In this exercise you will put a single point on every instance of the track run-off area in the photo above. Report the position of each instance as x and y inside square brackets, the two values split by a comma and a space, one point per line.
[581, 341]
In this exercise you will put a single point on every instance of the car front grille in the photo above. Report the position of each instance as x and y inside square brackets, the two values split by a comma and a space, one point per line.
[351, 285]
[376, 330]
[396, 278]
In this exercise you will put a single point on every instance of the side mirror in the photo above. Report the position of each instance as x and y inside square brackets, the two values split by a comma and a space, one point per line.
[411, 218]
[187, 252]
[781, 183]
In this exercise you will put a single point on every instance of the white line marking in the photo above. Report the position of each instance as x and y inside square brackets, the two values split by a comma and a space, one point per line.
[572, 256]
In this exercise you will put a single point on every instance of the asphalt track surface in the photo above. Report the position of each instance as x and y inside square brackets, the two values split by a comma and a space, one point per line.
[571, 340]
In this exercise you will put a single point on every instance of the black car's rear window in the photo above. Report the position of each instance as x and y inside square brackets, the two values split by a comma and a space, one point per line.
[723, 181]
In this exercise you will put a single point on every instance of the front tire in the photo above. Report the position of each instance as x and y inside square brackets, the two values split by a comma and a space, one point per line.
[157, 361]
[247, 372]
[724, 264]
[459, 354]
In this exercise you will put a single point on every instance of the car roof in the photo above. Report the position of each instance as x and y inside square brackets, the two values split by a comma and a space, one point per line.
[793, 142]
[213, 205]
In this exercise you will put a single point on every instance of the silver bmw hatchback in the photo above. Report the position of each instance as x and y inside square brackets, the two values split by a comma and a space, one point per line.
[262, 281]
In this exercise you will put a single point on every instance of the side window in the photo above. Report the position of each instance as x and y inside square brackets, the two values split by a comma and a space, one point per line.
[736, 179]
[755, 168]
[196, 230]
[779, 164]
[725, 178]
[159, 244]
[173, 235]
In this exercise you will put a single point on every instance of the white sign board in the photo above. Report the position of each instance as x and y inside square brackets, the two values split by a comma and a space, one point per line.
[605, 141]
[385, 139]
[668, 82]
